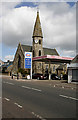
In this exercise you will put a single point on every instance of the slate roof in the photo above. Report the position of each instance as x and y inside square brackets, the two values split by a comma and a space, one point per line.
[75, 60]
[27, 48]
[47, 51]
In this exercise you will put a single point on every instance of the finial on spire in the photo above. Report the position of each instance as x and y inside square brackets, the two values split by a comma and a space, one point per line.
[37, 8]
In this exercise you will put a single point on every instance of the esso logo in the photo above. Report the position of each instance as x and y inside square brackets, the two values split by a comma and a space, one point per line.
[28, 54]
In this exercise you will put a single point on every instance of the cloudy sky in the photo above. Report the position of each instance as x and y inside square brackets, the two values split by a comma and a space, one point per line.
[58, 22]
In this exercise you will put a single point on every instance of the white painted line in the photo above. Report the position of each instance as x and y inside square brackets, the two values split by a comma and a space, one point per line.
[18, 105]
[36, 89]
[62, 87]
[54, 85]
[26, 87]
[68, 97]
[38, 116]
[7, 99]
[9, 83]
[32, 88]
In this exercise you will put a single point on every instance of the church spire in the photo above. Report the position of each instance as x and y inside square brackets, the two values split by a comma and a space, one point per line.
[37, 27]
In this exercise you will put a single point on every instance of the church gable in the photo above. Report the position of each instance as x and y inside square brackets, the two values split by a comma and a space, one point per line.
[18, 59]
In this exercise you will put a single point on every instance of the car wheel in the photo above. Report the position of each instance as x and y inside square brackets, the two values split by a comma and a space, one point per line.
[38, 78]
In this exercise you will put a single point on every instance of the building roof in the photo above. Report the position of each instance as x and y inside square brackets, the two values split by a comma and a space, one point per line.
[27, 48]
[75, 60]
[37, 27]
[47, 51]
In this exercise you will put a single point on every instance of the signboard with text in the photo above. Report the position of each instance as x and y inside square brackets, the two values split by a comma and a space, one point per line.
[28, 60]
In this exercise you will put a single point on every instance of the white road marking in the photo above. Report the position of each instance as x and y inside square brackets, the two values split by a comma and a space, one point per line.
[62, 87]
[36, 89]
[32, 88]
[7, 99]
[38, 116]
[54, 85]
[9, 83]
[68, 97]
[18, 105]
[26, 87]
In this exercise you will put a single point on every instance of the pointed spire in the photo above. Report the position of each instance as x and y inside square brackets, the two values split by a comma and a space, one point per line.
[37, 27]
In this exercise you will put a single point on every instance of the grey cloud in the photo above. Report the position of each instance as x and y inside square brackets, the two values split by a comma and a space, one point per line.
[58, 23]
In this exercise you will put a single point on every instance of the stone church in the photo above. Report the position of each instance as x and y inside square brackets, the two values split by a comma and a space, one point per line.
[37, 49]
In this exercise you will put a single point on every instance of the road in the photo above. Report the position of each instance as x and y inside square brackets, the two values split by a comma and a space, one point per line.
[37, 99]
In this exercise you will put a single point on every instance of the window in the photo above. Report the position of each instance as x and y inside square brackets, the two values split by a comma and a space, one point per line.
[39, 52]
[46, 66]
[19, 61]
[33, 53]
[54, 68]
[39, 41]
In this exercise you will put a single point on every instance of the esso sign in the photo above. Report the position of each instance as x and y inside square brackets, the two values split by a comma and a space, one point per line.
[28, 54]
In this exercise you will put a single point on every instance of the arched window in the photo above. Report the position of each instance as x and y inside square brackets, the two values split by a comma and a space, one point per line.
[39, 41]
[19, 61]
[39, 52]
[54, 68]
[33, 53]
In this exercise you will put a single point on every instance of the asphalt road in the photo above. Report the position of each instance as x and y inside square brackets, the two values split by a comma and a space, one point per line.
[36, 99]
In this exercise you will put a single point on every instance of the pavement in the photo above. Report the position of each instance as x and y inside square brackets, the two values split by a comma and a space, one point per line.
[55, 83]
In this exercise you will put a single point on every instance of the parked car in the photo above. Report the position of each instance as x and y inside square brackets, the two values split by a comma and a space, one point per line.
[65, 77]
[46, 76]
[55, 77]
[38, 76]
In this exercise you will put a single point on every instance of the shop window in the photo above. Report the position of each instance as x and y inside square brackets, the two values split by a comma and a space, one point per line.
[54, 68]
[46, 66]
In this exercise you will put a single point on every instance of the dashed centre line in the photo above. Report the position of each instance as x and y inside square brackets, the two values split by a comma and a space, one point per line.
[32, 88]
[38, 116]
[18, 105]
[68, 97]
[7, 99]
[8, 83]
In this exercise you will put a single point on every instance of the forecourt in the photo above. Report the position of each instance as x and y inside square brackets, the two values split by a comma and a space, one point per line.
[37, 99]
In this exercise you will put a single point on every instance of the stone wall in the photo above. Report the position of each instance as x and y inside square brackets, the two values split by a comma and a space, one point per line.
[15, 63]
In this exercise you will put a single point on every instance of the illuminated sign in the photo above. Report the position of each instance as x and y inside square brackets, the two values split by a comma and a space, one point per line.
[28, 60]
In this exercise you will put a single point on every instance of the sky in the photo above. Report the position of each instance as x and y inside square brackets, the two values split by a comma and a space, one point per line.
[58, 22]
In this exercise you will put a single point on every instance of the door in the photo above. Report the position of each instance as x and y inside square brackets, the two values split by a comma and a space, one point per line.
[75, 75]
